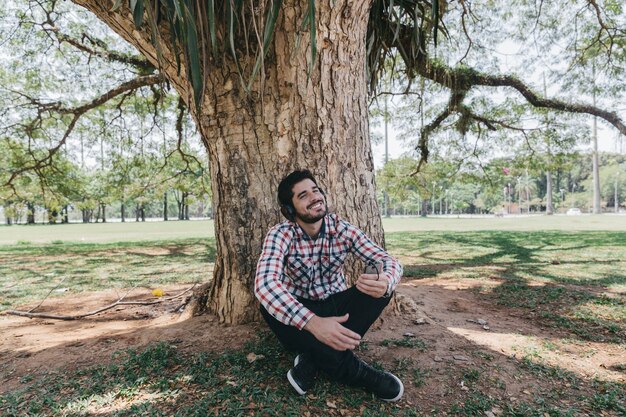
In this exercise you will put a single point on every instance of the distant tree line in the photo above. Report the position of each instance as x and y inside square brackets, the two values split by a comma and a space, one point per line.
[511, 185]
[124, 187]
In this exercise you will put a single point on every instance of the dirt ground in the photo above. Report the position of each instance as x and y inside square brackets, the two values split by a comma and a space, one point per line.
[446, 314]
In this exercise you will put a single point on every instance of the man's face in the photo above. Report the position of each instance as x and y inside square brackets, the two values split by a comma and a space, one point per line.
[308, 201]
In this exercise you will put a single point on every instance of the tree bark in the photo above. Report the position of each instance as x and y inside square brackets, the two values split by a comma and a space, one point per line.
[165, 206]
[292, 121]
[30, 215]
[549, 205]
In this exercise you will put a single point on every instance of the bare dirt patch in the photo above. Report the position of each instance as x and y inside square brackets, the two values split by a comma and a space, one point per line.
[38, 345]
[463, 335]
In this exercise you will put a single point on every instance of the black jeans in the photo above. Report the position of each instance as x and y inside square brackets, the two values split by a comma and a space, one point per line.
[363, 310]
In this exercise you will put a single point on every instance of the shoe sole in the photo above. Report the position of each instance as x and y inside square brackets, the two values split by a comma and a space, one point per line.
[400, 394]
[295, 385]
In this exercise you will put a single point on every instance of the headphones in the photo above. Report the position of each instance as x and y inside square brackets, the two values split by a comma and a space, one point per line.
[289, 211]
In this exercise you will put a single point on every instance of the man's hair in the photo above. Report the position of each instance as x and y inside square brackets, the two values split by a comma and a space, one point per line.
[285, 188]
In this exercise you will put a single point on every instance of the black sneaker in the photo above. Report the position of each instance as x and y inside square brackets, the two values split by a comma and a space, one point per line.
[302, 375]
[384, 385]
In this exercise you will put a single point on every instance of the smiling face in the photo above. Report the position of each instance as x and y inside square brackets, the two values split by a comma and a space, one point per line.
[308, 201]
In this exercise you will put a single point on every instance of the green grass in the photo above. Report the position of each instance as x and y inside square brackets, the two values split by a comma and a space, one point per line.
[158, 230]
[406, 341]
[159, 380]
[105, 232]
[28, 272]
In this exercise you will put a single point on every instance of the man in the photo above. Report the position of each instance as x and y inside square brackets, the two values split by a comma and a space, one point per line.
[304, 295]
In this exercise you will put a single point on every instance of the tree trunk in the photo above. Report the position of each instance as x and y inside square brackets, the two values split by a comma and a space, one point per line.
[181, 206]
[87, 213]
[597, 199]
[424, 208]
[123, 212]
[165, 206]
[549, 207]
[615, 198]
[386, 204]
[52, 216]
[30, 215]
[294, 121]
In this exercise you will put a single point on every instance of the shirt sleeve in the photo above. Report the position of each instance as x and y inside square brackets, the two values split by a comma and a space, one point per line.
[268, 284]
[372, 254]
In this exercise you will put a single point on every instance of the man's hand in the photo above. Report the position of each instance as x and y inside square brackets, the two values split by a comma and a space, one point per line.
[371, 285]
[329, 331]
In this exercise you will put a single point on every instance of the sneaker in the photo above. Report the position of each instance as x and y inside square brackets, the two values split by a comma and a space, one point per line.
[384, 385]
[302, 375]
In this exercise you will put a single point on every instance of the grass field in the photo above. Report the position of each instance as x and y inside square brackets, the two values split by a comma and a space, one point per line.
[570, 277]
[132, 231]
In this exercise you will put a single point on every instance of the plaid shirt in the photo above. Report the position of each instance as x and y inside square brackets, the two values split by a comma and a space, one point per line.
[292, 266]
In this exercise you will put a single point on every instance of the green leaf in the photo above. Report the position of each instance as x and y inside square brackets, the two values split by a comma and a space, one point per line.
[193, 52]
[117, 5]
[175, 32]
[137, 7]
[230, 26]
[212, 30]
[268, 35]
[153, 21]
[435, 12]
[179, 10]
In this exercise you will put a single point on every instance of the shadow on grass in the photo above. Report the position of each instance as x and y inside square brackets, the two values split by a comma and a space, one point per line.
[530, 279]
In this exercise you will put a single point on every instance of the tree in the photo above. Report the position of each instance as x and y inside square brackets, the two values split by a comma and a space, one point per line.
[257, 132]
[263, 105]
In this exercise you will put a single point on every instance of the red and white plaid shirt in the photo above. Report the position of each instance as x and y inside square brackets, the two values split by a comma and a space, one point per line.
[294, 265]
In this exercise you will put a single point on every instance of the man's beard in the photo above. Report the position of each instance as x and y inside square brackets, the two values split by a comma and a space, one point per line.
[312, 219]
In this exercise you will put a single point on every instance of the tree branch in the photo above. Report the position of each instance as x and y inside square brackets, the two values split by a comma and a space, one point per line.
[140, 63]
[466, 78]
[76, 113]
[119, 302]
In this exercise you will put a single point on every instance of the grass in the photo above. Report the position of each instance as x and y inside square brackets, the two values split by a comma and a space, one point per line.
[30, 271]
[159, 230]
[105, 232]
[161, 381]
[406, 341]
[569, 281]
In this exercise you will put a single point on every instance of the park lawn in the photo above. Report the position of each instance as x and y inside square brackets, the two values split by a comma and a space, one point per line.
[572, 282]
[113, 232]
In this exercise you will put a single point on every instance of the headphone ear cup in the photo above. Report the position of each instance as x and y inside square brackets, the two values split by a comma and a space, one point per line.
[288, 211]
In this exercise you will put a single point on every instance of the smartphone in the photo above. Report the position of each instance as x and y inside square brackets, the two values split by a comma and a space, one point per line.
[373, 269]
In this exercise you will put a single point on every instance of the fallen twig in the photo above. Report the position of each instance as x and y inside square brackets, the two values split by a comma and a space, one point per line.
[46, 297]
[119, 302]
